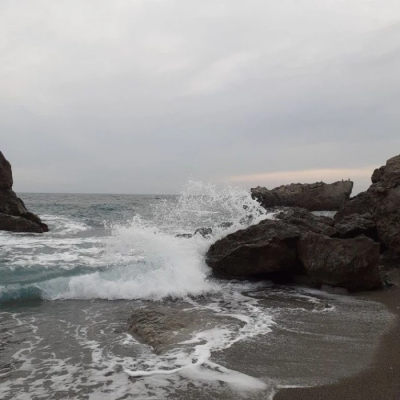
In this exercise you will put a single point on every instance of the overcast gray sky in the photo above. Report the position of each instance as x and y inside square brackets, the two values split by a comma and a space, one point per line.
[135, 96]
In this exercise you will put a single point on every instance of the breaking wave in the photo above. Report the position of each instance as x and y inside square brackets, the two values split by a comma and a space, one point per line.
[145, 257]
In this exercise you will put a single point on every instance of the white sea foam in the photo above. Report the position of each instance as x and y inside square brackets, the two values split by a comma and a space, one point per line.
[142, 258]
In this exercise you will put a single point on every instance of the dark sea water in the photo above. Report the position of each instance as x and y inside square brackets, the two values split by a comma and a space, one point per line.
[66, 297]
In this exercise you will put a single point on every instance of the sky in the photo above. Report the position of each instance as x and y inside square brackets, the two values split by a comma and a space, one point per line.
[138, 96]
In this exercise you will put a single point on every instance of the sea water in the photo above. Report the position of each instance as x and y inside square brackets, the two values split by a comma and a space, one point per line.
[66, 297]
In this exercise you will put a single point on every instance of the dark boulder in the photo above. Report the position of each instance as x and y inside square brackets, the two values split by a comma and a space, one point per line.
[384, 200]
[19, 224]
[354, 225]
[348, 263]
[318, 196]
[10, 203]
[306, 221]
[266, 248]
[184, 235]
[356, 205]
[6, 180]
[377, 174]
[14, 216]
[205, 232]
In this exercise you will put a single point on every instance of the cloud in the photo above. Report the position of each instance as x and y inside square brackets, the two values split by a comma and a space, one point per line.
[135, 96]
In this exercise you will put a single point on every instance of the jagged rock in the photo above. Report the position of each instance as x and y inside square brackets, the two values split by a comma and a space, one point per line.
[384, 200]
[354, 225]
[184, 235]
[18, 224]
[348, 263]
[156, 326]
[313, 197]
[13, 214]
[6, 180]
[165, 326]
[356, 205]
[377, 174]
[306, 221]
[265, 248]
[205, 232]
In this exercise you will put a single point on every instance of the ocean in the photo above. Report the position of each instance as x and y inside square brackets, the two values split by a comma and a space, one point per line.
[110, 262]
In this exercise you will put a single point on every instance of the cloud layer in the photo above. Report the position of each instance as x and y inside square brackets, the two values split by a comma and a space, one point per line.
[136, 96]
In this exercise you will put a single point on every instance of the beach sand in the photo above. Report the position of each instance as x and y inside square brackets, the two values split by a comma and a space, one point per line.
[381, 378]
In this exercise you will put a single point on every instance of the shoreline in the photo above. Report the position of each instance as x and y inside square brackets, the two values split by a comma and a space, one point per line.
[381, 378]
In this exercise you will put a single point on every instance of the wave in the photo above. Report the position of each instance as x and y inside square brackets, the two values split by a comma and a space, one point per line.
[140, 259]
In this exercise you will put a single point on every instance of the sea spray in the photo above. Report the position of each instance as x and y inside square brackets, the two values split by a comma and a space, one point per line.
[138, 257]
[81, 349]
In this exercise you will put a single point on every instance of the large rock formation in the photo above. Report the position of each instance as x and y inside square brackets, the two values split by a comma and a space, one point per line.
[305, 221]
[352, 250]
[382, 202]
[13, 214]
[269, 247]
[384, 199]
[354, 225]
[318, 196]
[356, 205]
[347, 263]
[301, 246]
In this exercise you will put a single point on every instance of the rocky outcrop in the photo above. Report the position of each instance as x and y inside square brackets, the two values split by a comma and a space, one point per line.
[266, 248]
[355, 225]
[301, 246]
[166, 326]
[305, 221]
[348, 263]
[14, 216]
[356, 205]
[6, 180]
[318, 196]
[358, 249]
[382, 202]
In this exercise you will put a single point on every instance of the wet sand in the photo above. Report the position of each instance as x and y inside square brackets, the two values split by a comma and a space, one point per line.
[380, 380]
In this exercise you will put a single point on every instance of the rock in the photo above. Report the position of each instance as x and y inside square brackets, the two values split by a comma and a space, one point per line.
[165, 326]
[205, 232]
[305, 221]
[265, 248]
[6, 180]
[384, 200]
[356, 205]
[354, 225]
[184, 235]
[14, 216]
[156, 326]
[348, 263]
[313, 197]
[225, 225]
[377, 174]
[18, 224]
[10, 203]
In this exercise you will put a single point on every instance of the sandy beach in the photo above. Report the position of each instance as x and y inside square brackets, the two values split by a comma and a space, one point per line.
[380, 380]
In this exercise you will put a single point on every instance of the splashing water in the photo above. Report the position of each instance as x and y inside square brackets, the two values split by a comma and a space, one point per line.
[81, 349]
[139, 257]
